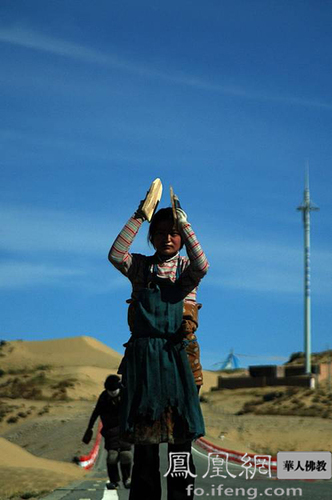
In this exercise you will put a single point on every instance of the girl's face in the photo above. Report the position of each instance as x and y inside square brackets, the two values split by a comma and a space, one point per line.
[166, 239]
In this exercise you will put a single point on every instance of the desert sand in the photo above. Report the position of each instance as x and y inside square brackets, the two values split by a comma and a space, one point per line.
[32, 472]
[71, 351]
[42, 435]
[266, 434]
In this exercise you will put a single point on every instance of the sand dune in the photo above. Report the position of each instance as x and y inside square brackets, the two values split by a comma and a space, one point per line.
[210, 379]
[83, 357]
[35, 474]
[71, 351]
[85, 361]
[89, 380]
[13, 455]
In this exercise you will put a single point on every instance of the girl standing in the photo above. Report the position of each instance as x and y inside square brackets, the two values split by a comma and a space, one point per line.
[160, 398]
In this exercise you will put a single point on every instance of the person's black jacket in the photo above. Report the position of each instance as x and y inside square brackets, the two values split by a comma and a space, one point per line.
[108, 409]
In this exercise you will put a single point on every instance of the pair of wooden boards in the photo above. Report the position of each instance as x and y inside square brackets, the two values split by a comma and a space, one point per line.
[153, 197]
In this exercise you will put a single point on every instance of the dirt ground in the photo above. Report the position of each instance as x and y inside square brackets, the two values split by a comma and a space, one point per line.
[37, 453]
[56, 436]
[40, 434]
[261, 433]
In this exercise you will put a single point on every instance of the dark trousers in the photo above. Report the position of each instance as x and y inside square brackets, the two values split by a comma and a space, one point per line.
[125, 459]
[145, 478]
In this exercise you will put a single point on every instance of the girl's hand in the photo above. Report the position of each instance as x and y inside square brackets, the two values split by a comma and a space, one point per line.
[181, 215]
[139, 214]
[148, 206]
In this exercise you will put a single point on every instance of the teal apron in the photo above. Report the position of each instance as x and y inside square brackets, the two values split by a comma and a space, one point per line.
[155, 370]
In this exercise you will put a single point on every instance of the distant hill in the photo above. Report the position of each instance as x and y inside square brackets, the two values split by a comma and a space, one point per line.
[71, 351]
[298, 358]
[69, 368]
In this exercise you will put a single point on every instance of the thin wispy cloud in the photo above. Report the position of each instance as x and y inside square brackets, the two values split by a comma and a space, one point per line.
[236, 264]
[43, 230]
[23, 275]
[267, 267]
[32, 230]
[43, 247]
[23, 37]
[52, 236]
[17, 274]
[29, 39]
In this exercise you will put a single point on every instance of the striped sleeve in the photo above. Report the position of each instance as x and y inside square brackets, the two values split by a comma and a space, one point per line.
[119, 254]
[198, 262]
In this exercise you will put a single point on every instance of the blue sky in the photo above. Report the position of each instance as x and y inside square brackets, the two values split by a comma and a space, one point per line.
[224, 100]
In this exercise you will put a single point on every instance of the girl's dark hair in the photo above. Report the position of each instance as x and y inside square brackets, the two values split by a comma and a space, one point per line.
[164, 214]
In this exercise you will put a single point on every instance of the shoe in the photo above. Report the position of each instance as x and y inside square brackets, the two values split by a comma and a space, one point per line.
[112, 486]
[127, 483]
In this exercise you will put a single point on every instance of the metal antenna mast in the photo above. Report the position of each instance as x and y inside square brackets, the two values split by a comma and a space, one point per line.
[306, 207]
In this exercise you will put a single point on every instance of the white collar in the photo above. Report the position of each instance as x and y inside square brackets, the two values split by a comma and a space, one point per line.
[168, 260]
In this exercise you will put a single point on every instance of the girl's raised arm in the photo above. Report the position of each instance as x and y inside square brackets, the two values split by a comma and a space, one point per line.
[119, 254]
[198, 262]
